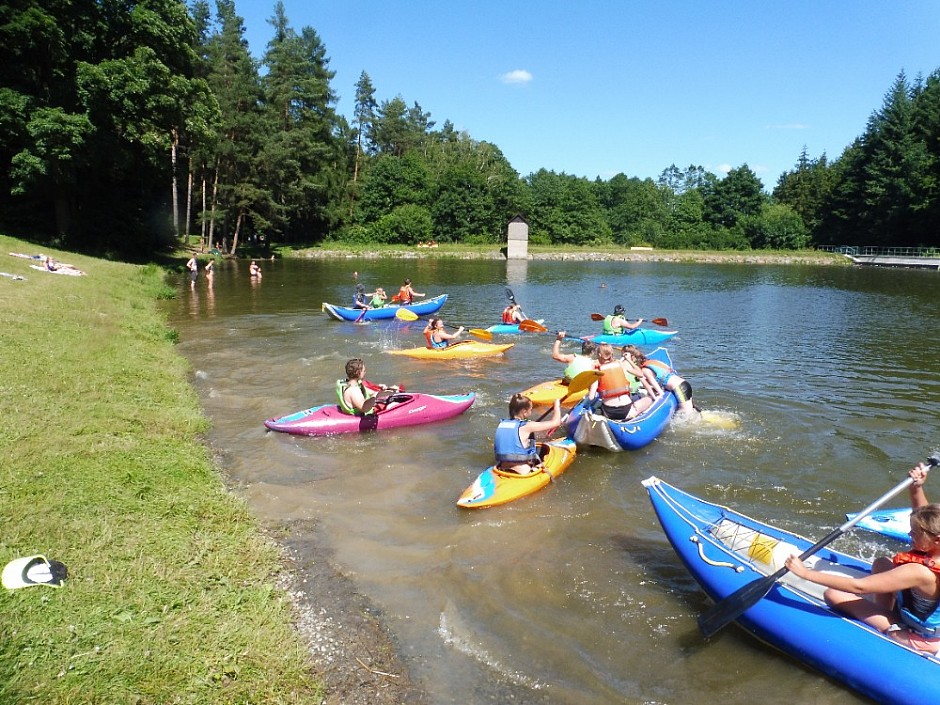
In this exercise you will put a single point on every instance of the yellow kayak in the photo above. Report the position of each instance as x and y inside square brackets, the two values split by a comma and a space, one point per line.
[495, 487]
[546, 393]
[462, 349]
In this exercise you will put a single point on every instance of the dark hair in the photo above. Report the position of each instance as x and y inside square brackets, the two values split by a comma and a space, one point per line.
[588, 347]
[354, 368]
[618, 310]
[518, 402]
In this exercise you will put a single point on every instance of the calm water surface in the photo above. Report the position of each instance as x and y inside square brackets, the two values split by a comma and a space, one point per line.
[821, 387]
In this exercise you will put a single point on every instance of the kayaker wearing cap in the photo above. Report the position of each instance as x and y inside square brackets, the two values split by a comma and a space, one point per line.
[361, 298]
[616, 324]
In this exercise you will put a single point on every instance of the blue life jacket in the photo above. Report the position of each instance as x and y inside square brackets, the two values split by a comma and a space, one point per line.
[509, 449]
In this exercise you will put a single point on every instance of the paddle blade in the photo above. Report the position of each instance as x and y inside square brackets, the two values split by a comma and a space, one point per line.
[480, 333]
[405, 315]
[510, 296]
[530, 326]
[736, 604]
[582, 381]
[660, 322]
[598, 317]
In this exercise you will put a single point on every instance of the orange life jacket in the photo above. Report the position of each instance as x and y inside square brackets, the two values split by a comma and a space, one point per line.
[613, 381]
[507, 315]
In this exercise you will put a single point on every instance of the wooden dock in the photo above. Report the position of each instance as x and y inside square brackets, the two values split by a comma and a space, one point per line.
[896, 261]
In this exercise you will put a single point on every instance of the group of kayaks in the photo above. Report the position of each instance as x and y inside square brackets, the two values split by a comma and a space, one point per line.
[583, 424]
[728, 553]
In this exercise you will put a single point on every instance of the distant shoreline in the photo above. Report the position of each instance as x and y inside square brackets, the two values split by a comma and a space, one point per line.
[691, 256]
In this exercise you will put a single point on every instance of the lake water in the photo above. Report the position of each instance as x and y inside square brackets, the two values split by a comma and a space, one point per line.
[821, 387]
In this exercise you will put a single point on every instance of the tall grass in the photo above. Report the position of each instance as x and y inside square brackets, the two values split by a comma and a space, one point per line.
[171, 596]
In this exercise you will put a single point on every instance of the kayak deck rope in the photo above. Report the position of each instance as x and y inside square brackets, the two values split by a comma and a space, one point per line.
[718, 564]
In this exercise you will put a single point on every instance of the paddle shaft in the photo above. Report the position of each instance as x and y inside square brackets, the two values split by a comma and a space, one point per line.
[738, 602]
[658, 321]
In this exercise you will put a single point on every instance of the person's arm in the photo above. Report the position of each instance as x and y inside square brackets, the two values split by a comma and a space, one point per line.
[533, 427]
[651, 382]
[630, 325]
[557, 354]
[451, 336]
[901, 577]
[415, 293]
[919, 476]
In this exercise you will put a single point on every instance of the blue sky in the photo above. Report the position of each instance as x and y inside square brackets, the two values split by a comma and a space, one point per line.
[598, 87]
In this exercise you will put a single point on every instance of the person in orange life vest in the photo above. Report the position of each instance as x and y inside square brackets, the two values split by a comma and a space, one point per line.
[406, 294]
[514, 445]
[617, 393]
[658, 376]
[905, 588]
[513, 314]
[353, 391]
[436, 336]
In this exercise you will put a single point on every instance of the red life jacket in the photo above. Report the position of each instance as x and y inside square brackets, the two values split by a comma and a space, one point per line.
[916, 557]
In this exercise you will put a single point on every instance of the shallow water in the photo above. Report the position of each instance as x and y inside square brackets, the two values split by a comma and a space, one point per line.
[821, 386]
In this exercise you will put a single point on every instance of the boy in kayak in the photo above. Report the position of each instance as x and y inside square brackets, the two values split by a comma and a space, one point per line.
[406, 294]
[514, 444]
[576, 362]
[617, 389]
[436, 336]
[513, 314]
[616, 324]
[354, 391]
[905, 587]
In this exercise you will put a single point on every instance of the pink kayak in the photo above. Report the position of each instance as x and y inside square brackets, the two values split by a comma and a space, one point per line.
[405, 409]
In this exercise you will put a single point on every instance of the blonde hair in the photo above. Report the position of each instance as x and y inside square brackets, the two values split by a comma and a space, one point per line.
[927, 519]
[605, 353]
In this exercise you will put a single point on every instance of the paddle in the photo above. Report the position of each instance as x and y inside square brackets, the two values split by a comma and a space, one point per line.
[370, 403]
[405, 315]
[738, 602]
[530, 326]
[658, 321]
[581, 381]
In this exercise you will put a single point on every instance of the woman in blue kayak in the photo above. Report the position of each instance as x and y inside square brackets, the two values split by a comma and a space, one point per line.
[514, 444]
[905, 589]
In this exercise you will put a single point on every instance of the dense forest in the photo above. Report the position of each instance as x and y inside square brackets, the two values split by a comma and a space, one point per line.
[127, 126]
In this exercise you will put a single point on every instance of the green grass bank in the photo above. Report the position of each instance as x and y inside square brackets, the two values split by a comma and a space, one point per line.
[172, 595]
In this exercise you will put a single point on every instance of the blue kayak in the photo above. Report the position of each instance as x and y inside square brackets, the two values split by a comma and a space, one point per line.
[637, 336]
[726, 551]
[893, 523]
[419, 308]
[507, 328]
[588, 428]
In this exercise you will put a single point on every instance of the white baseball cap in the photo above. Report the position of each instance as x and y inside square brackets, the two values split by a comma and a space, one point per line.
[33, 570]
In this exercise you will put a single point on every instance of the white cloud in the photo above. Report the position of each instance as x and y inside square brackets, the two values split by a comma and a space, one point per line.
[518, 76]
[724, 168]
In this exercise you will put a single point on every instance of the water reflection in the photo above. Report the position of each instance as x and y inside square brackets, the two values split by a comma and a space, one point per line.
[819, 386]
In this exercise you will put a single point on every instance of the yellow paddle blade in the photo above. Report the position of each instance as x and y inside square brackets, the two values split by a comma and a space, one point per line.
[582, 381]
[481, 333]
[405, 315]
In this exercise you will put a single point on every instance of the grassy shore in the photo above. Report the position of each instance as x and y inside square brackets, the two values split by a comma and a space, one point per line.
[172, 595]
